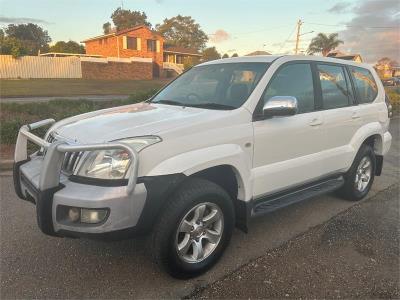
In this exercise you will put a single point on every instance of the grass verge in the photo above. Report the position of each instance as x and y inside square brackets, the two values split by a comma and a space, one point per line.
[74, 87]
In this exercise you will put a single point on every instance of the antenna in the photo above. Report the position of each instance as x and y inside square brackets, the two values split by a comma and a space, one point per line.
[122, 4]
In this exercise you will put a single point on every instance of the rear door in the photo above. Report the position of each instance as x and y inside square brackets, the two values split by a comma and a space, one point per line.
[340, 113]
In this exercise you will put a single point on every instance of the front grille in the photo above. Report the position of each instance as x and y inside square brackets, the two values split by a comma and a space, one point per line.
[50, 138]
[71, 159]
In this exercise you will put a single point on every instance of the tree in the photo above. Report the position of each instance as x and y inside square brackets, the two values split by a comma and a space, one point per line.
[210, 53]
[107, 28]
[225, 56]
[125, 18]
[323, 43]
[183, 31]
[67, 47]
[235, 55]
[32, 37]
[12, 46]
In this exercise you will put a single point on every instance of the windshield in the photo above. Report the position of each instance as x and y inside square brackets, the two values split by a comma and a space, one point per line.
[216, 86]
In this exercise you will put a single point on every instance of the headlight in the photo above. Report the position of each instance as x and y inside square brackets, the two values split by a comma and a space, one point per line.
[113, 163]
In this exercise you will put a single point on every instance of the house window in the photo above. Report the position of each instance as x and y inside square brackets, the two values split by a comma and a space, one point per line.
[151, 45]
[132, 43]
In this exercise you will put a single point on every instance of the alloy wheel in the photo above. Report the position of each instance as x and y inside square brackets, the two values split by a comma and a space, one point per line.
[199, 232]
[363, 174]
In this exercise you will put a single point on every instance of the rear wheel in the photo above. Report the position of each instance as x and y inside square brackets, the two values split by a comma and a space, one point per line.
[194, 229]
[359, 179]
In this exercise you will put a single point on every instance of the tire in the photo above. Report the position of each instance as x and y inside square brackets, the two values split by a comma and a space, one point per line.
[351, 190]
[185, 206]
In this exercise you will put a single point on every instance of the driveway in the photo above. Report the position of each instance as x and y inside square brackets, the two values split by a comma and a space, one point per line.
[36, 266]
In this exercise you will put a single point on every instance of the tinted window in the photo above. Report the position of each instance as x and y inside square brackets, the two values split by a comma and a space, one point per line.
[293, 80]
[333, 84]
[365, 84]
[228, 84]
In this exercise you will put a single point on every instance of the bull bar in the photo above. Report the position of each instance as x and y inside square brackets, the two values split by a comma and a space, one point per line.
[55, 152]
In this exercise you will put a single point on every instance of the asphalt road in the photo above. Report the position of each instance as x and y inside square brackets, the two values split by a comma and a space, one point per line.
[354, 255]
[33, 265]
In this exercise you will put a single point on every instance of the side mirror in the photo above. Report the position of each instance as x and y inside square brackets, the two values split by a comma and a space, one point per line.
[280, 106]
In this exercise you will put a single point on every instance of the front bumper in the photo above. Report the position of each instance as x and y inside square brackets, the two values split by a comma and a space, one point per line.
[39, 179]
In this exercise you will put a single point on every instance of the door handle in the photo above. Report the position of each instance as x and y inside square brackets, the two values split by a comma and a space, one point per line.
[355, 115]
[316, 122]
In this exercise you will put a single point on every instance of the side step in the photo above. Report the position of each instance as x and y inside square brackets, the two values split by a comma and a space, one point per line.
[282, 199]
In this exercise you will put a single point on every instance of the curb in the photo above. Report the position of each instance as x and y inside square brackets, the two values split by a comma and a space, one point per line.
[6, 164]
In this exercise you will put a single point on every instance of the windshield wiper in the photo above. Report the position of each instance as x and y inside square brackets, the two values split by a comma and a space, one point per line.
[170, 102]
[211, 105]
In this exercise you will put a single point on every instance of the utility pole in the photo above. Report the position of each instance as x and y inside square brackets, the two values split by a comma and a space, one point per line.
[299, 23]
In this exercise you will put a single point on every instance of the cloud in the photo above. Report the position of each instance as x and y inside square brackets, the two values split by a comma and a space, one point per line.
[373, 43]
[21, 20]
[340, 7]
[219, 36]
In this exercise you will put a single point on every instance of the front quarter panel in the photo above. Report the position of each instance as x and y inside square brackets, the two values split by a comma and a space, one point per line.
[227, 140]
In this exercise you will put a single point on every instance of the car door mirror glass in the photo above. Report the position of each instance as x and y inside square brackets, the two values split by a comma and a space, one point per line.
[280, 106]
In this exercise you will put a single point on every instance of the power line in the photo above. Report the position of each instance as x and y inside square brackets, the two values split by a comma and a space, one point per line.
[351, 26]
[283, 44]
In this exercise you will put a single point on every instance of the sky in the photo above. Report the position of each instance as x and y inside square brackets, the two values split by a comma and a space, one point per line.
[368, 27]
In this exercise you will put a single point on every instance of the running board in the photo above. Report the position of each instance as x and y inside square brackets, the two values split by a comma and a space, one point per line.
[283, 199]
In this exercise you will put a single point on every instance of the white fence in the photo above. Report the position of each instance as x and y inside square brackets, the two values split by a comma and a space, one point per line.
[40, 67]
[53, 67]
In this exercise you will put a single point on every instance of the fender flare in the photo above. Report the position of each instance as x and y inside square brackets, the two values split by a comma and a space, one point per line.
[197, 160]
[365, 132]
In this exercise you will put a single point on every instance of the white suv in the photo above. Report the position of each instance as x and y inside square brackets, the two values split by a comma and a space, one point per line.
[226, 141]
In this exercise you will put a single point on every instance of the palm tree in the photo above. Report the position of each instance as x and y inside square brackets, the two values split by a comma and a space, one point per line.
[323, 43]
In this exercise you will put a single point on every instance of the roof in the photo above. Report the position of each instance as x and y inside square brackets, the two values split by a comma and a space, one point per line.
[60, 54]
[119, 33]
[240, 59]
[341, 55]
[283, 58]
[181, 50]
[258, 52]
[348, 57]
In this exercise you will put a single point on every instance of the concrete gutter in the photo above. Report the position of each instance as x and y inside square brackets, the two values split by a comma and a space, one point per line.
[6, 164]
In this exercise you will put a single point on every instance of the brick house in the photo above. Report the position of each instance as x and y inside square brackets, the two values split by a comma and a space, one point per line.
[140, 42]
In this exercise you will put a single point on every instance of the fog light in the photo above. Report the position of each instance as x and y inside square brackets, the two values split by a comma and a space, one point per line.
[93, 216]
[74, 214]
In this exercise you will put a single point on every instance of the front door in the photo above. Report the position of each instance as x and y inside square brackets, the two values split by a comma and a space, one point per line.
[287, 149]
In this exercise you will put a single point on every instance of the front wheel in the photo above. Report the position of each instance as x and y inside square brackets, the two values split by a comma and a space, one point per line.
[194, 229]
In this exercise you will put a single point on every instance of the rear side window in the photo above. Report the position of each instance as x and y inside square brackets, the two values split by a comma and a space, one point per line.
[365, 84]
[335, 92]
[293, 80]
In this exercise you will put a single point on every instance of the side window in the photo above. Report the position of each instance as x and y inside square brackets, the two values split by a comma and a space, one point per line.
[131, 43]
[333, 85]
[151, 45]
[365, 84]
[293, 80]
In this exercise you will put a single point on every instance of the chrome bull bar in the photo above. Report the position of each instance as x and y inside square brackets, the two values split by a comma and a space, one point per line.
[55, 152]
